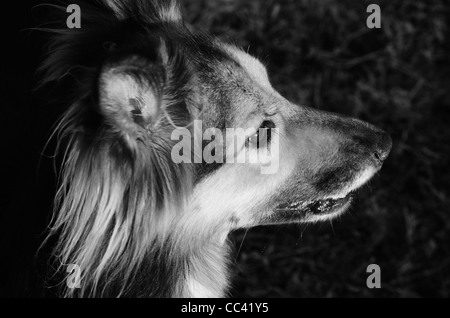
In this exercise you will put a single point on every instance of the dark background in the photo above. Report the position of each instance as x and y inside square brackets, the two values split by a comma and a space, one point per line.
[321, 54]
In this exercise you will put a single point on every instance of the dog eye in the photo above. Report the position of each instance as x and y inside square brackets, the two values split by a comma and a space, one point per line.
[263, 134]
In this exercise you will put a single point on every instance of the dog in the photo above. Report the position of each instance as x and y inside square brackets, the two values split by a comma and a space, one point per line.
[139, 224]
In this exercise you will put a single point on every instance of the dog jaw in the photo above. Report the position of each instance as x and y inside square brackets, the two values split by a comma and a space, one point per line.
[360, 179]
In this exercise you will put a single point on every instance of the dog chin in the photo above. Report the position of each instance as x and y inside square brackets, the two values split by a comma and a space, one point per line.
[322, 209]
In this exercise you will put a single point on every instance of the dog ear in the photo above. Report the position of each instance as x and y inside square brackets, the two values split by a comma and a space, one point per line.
[162, 10]
[130, 96]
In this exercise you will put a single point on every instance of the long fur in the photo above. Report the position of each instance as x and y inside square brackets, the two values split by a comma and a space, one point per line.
[115, 205]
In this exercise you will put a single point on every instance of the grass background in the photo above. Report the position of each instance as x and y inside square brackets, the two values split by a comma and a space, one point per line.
[321, 54]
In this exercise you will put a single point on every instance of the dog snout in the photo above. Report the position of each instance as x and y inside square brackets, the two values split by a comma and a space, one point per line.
[383, 147]
[366, 140]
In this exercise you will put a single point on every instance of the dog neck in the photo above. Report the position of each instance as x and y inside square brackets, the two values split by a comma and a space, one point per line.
[207, 273]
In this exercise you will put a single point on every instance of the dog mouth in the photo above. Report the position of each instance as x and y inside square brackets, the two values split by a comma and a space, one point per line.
[318, 207]
[324, 207]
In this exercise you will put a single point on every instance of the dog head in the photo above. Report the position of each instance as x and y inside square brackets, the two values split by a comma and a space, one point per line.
[155, 101]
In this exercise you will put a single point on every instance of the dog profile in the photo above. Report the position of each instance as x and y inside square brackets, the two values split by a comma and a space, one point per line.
[139, 224]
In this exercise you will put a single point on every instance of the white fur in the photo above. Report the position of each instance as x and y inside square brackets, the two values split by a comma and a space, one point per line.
[255, 69]
[359, 181]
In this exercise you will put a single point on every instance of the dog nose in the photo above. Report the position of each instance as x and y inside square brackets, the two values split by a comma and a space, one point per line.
[383, 147]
